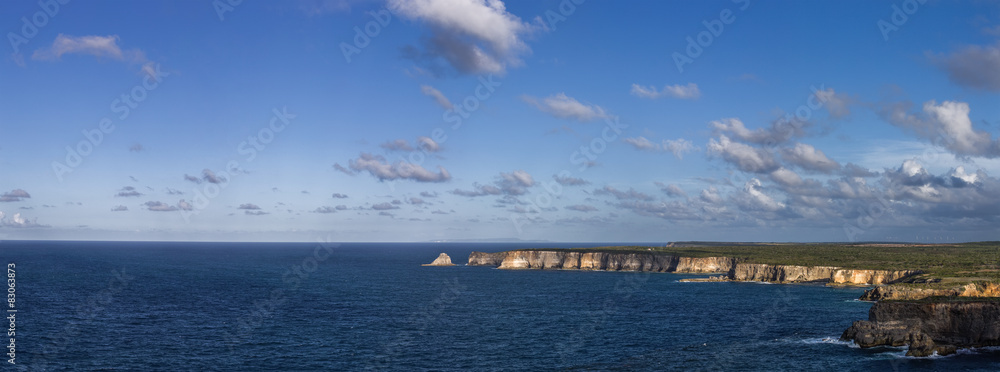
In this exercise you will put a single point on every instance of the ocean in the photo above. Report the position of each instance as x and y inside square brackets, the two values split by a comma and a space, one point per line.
[166, 306]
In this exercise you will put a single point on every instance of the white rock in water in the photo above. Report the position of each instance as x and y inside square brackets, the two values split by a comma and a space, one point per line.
[442, 260]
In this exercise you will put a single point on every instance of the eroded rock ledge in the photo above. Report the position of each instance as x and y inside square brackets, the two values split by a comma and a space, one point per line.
[732, 268]
[897, 292]
[928, 327]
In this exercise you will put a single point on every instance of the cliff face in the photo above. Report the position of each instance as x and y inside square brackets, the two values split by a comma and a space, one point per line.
[916, 293]
[818, 274]
[625, 261]
[442, 260]
[642, 261]
[928, 327]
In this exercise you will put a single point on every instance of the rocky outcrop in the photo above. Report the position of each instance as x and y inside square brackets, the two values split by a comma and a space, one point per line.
[928, 327]
[610, 261]
[442, 260]
[913, 292]
[657, 262]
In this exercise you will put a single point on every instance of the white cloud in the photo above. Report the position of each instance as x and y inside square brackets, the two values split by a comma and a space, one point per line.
[946, 125]
[473, 36]
[677, 147]
[565, 107]
[689, 91]
[378, 167]
[743, 156]
[837, 104]
[641, 143]
[437, 96]
[779, 132]
[809, 158]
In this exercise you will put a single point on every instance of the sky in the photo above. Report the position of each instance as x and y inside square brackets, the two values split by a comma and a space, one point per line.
[423, 120]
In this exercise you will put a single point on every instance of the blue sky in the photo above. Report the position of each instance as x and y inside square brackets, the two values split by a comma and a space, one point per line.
[471, 119]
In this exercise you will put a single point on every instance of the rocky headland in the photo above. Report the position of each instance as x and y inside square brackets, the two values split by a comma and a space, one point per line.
[732, 268]
[928, 317]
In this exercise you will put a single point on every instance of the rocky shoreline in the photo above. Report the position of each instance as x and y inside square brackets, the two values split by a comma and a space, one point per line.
[928, 320]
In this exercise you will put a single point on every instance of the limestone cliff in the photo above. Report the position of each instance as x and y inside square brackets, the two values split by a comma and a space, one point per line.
[658, 262]
[610, 261]
[896, 292]
[928, 327]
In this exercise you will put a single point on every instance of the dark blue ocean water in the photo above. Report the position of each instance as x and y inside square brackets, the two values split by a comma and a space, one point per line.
[241, 306]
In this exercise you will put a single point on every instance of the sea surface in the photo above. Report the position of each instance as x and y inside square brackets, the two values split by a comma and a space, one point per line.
[372, 306]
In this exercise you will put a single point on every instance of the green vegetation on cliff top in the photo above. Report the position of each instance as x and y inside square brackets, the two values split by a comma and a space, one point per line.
[952, 263]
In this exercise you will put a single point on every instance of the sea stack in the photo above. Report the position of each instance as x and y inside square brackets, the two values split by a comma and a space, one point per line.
[442, 260]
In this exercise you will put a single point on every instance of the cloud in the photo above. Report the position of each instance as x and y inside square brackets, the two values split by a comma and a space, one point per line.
[136, 148]
[120, 208]
[641, 143]
[744, 157]
[249, 206]
[338, 195]
[255, 213]
[416, 201]
[437, 96]
[976, 67]
[97, 46]
[341, 207]
[809, 158]
[157, 206]
[15, 195]
[756, 199]
[429, 194]
[565, 107]
[510, 184]
[946, 125]
[671, 190]
[710, 195]
[427, 144]
[384, 206]
[780, 131]
[340, 168]
[184, 205]
[325, 209]
[402, 170]
[631, 194]
[581, 208]
[17, 221]
[128, 191]
[397, 145]
[689, 91]
[570, 181]
[480, 190]
[837, 104]
[207, 175]
[472, 36]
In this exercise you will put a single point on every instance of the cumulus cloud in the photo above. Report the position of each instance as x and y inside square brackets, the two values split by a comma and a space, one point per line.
[184, 205]
[384, 206]
[15, 195]
[97, 46]
[325, 209]
[565, 107]
[671, 190]
[128, 191]
[429, 194]
[946, 125]
[207, 175]
[677, 147]
[338, 195]
[510, 184]
[472, 36]
[157, 206]
[570, 181]
[427, 144]
[837, 104]
[17, 221]
[631, 194]
[437, 96]
[397, 145]
[378, 167]
[809, 158]
[780, 131]
[249, 206]
[757, 199]
[743, 156]
[689, 91]
[641, 143]
[710, 195]
[581, 208]
[973, 66]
